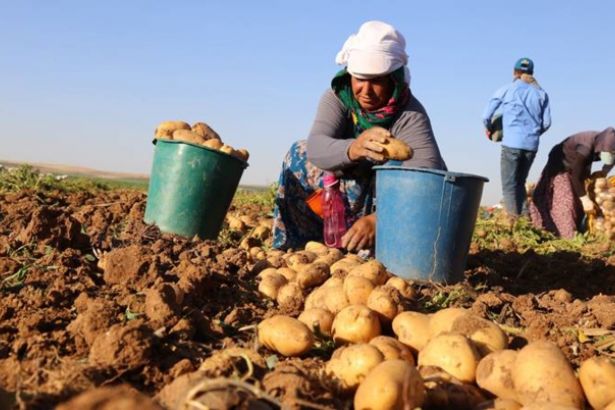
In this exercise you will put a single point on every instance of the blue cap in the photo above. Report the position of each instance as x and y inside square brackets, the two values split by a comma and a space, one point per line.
[525, 65]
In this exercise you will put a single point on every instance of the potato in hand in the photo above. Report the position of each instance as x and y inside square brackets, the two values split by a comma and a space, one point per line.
[395, 149]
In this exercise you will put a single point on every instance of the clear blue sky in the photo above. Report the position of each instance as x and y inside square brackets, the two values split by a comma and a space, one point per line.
[85, 83]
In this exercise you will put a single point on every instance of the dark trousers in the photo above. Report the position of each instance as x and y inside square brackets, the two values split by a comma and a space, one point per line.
[515, 165]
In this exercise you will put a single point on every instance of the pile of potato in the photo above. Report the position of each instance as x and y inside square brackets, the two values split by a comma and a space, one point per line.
[604, 195]
[390, 357]
[199, 133]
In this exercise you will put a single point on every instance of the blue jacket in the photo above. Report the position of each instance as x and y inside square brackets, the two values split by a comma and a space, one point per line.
[525, 114]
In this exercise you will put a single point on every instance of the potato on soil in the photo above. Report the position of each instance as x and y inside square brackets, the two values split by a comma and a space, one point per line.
[499, 404]
[541, 374]
[318, 248]
[444, 391]
[391, 385]
[318, 317]
[288, 273]
[316, 299]
[486, 335]
[392, 349]
[453, 353]
[285, 335]
[267, 272]
[404, 288]
[261, 233]
[412, 329]
[494, 374]
[395, 149]
[333, 282]
[187, 136]
[335, 299]
[289, 295]
[357, 289]
[597, 377]
[386, 301]
[353, 363]
[300, 259]
[372, 270]
[213, 144]
[236, 224]
[271, 284]
[166, 128]
[331, 257]
[355, 324]
[442, 320]
[345, 265]
[204, 131]
[312, 275]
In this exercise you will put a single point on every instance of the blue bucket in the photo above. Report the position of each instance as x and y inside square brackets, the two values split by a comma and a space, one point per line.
[425, 220]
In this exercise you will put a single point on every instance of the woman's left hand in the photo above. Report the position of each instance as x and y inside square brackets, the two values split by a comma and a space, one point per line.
[361, 234]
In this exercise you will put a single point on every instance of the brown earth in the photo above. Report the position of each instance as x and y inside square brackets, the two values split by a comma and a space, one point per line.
[93, 300]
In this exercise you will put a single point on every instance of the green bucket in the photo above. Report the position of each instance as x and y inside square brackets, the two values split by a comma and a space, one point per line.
[191, 188]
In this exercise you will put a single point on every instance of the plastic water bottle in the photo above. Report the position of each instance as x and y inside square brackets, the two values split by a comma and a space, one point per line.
[334, 213]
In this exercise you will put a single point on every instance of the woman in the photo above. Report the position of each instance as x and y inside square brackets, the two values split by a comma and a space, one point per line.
[560, 197]
[369, 100]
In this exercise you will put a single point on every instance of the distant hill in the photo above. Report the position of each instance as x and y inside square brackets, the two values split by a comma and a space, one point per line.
[77, 171]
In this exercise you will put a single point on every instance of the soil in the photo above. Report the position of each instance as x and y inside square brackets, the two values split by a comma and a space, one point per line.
[99, 310]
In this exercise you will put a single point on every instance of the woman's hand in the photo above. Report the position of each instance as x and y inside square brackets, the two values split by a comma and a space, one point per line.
[588, 204]
[364, 146]
[361, 234]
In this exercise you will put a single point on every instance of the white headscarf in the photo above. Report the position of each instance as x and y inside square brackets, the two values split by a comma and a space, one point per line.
[377, 49]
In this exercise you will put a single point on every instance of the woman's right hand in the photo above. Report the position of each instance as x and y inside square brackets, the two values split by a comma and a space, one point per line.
[365, 147]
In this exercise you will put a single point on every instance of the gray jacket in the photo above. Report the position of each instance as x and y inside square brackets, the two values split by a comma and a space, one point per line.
[332, 134]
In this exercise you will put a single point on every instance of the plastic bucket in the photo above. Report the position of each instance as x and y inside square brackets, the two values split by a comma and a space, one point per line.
[425, 220]
[191, 188]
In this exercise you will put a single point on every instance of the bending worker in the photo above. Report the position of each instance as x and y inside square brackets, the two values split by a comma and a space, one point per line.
[368, 100]
[560, 196]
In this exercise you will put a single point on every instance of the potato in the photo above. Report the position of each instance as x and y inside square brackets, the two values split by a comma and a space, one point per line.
[290, 294]
[213, 144]
[204, 131]
[494, 374]
[395, 149]
[444, 391]
[267, 272]
[333, 282]
[321, 318]
[187, 136]
[486, 335]
[316, 299]
[165, 129]
[357, 289]
[270, 285]
[442, 320]
[318, 248]
[276, 261]
[312, 275]
[372, 270]
[331, 257]
[288, 273]
[453, 353]
[404, 288]
[227, 149]
[597, 377]
[241, 154]
[547, 406]
[345, 265]
[285, 335]
[611, 406]
[412, 329]
[353, 364]
[541, 374]
[261, 233]
[335, 299]
[391, 385]
[355, 324]
[499, 404]
[236, 224]
[392, 349]
[299, 259]
[386, 301]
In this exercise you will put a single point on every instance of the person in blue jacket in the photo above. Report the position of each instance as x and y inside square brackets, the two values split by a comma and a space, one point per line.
[524, 107]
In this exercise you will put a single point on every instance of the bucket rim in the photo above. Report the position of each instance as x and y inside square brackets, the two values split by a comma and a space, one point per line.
[164, 140]
[430, 171]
